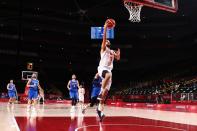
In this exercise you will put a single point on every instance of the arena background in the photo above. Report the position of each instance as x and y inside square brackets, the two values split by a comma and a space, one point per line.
[55, 37]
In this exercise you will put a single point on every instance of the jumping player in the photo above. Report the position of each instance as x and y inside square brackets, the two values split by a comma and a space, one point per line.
[81, 92]
[73, 91]
[96, 88]
[104, 69]
[33, 85]
[12, 93]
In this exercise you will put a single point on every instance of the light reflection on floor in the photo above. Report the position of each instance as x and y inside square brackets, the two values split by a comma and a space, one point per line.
[59, 117]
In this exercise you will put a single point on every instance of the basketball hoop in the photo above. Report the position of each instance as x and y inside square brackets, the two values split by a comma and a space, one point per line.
[134, 10]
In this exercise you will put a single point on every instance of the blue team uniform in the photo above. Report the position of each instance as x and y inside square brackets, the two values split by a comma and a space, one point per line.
[73, 89]
[12, 91]
[33, 89]
[96, 87]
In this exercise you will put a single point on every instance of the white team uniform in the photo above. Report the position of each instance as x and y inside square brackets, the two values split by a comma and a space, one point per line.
[81, 93]
[106, 63]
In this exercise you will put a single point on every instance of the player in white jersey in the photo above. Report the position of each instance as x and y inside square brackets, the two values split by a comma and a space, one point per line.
[104, 69]
[81, 92]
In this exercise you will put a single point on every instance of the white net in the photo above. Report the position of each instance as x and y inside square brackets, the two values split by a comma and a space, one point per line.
[134, 11]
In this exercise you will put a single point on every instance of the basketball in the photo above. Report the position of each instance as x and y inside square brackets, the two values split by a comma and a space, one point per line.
[111, 23]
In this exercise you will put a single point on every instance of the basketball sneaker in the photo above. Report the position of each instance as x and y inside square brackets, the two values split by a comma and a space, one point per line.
[100, 114]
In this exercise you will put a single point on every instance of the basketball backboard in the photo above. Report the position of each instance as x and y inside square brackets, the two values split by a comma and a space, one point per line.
[134, 7]
[167, 5]
[27, 74]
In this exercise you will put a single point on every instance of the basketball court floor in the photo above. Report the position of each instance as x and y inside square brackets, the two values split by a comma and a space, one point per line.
[58, 117]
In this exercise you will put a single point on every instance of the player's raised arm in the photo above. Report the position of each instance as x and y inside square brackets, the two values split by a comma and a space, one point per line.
[103, 46]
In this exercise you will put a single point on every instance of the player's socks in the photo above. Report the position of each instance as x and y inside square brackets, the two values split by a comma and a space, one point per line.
[99, 97]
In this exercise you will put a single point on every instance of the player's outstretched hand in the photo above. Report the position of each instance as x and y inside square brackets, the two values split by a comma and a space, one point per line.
[117, 54]
[118, 51]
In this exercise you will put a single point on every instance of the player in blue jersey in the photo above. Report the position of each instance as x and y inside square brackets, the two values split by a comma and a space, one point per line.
[33, 85]
[12, 93]
[73, 86]
[96, 89]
